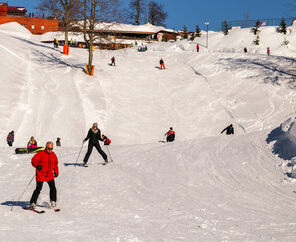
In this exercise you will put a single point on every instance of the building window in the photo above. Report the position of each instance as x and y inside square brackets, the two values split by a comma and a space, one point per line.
[33, 26]
[42, 27]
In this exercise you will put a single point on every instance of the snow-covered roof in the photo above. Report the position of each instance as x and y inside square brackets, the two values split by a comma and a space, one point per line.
[117, 27]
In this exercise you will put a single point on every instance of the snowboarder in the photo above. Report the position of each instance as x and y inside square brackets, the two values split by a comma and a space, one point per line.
[58, 142]
[268, 51]
[245, 50]
[107, 141]
[161, 64]
[113, 61]
[94, 135]
[170, 135]
[197, 47]
[10, 138]
[46, 164]
[229, 130]
[32, 143]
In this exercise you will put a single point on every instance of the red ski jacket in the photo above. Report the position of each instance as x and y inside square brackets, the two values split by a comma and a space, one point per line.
[171, 132]
[49, 163]
[107, 141]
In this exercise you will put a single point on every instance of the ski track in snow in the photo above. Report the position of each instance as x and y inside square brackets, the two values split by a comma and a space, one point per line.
[203, 187]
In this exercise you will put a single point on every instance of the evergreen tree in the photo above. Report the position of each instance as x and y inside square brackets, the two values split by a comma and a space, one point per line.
[225, 28]
[197, 31]
[185, 34]
[255, 29]
[192, 36]
[283, 27]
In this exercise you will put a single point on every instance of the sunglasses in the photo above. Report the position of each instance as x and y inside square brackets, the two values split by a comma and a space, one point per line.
[49, 148]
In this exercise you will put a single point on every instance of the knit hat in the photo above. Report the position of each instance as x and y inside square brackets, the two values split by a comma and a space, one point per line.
[95, 124]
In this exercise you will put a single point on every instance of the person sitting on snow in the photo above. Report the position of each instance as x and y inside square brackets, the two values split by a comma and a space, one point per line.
[107, 141]
[32, 143]
[170, 135]
[229, 130]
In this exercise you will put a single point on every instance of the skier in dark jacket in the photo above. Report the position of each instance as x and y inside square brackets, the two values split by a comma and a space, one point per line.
[229, 130]
[94, 135]
[10, 138]
[170, 135]
[58, 142]
[113, 61]
[161, 64]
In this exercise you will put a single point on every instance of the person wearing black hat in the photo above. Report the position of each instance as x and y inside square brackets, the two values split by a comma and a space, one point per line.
[94, 135]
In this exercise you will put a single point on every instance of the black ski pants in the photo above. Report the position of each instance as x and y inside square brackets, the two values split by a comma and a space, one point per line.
[52, 191]
[89, 150]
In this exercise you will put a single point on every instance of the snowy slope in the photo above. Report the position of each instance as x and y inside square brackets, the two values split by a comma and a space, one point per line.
[203, 187]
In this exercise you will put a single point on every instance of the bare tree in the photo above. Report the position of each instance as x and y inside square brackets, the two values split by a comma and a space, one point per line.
[94, 12]
[136, 11]
[64, 10]
[157, 15]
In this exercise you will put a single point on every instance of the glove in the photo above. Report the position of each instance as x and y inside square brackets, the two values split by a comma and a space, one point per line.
[55, 175]
[39, 167]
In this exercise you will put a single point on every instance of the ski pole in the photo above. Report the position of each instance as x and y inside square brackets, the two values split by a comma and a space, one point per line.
[109, 153]
[23, 192]
[79, 153]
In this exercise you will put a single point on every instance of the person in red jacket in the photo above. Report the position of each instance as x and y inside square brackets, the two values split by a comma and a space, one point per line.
[46, 164]
[107, 141]
[170, 135]
[197, 47]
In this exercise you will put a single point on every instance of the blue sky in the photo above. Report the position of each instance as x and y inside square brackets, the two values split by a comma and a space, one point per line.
[192, 12]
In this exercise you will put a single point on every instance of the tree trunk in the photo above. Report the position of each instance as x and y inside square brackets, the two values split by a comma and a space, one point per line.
[67, 20]
[90, 57]
[138, 13]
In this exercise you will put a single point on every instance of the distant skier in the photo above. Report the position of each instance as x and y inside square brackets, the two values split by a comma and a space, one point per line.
[10, 138]
[113, 61]
[46, 164]
[245, 50]
[94, 135]
[32, 143]
[197, 47]
[268, 51]
[229, 130]
[107, 141]
[161, 64]
[56, 43]
[58, 142]
[170, 135]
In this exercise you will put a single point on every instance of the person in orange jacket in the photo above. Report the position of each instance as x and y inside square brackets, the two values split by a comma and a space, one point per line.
[46, 164]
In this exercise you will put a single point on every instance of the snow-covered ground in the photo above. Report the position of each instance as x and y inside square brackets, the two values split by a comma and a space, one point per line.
[203, 187]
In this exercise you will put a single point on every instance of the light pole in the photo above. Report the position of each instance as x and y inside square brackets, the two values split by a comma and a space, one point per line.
[207, 24]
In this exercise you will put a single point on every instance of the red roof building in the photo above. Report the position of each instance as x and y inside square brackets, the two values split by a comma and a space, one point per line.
[34, 25]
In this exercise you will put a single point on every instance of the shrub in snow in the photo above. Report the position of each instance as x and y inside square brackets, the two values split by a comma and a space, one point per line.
[285, 42]
[257, 41]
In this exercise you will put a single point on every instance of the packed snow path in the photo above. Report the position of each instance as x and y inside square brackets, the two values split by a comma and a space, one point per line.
[203, 187]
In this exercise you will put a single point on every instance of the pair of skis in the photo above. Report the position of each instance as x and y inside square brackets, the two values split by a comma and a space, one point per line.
[40, 211]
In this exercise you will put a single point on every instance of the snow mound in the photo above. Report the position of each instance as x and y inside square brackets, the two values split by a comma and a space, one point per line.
[15, 29]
